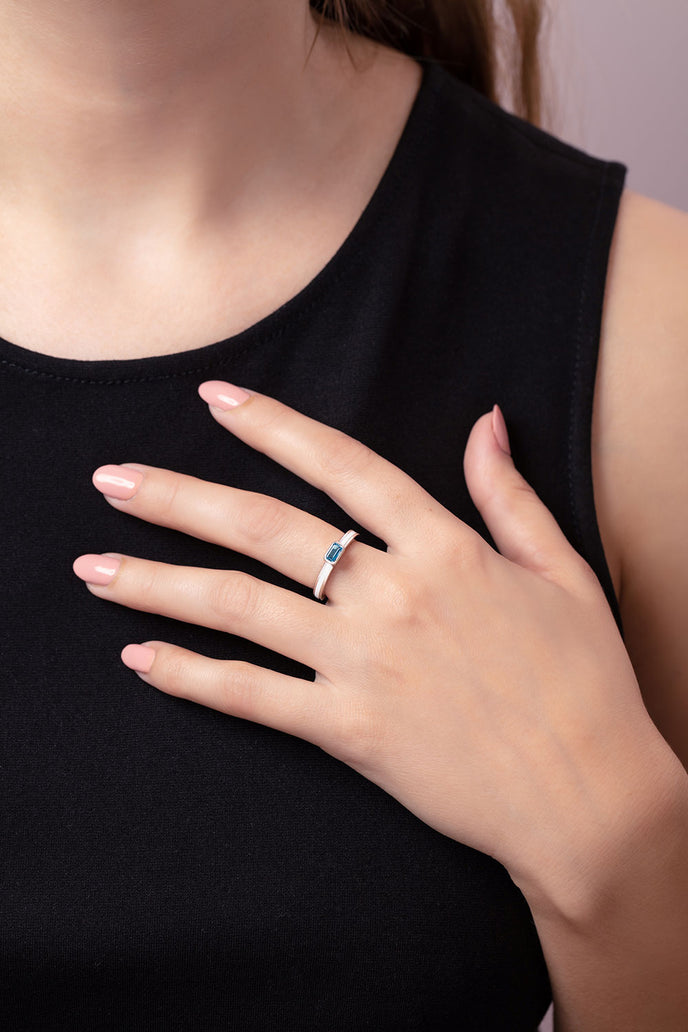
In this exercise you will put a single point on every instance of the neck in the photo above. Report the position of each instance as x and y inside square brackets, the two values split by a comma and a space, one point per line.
[122, 111]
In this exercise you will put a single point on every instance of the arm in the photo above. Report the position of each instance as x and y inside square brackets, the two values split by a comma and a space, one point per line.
[620, 961]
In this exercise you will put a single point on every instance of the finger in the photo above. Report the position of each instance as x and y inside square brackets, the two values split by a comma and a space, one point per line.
[298, 707]
[377, 494]
[523, 528]
[226, 600]
[277, 534]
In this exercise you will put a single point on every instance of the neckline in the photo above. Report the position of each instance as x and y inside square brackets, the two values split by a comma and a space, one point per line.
[198, 360]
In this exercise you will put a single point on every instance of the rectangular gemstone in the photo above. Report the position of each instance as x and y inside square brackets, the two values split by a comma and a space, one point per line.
[333, 552]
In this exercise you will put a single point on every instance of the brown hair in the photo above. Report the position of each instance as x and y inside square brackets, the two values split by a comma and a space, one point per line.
[470, 38]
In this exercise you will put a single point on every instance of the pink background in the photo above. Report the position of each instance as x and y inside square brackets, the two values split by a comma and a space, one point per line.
[619, 71]
[618, 82]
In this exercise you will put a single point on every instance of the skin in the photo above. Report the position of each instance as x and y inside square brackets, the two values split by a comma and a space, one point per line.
[161, 199]
[152, 173]
[639, 444]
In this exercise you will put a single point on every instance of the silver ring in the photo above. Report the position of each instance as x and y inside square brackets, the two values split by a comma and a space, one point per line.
[332, 556]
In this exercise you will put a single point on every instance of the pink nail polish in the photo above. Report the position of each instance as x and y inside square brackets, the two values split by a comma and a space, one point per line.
[117, 481]
[499, 430]
[138, 657]
[96, 569]
[222, 395]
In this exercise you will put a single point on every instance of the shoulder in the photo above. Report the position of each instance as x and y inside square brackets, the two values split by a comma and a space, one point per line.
[642, 371]
[649, 262]
[640, 449]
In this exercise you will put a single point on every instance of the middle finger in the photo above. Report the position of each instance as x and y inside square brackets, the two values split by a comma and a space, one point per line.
[288, 539]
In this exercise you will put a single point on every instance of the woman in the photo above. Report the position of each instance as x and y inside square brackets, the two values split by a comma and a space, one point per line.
[480, 801]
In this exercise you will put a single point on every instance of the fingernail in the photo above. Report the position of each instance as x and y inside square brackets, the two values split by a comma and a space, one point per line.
[117, 481]
[499, 430]
[222, 395]
[96, 569]
[138, 657]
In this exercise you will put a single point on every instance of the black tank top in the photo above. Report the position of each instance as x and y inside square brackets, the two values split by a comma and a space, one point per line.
[169, 867]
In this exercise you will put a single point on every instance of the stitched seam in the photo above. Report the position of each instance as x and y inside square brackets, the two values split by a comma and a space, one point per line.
[238, 350]
[395, 180]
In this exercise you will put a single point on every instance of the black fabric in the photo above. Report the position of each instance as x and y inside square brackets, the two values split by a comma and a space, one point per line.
[166, 866]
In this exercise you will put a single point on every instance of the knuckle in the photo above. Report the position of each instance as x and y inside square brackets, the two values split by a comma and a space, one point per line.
[166, 497]
[358, 735]
[147, 583]
[266, 521]
[233, 597]
[238, 687]
[582, 574]
[410, 602]
[343, 457]
[401, 594]
[519, 489]
[567, 568]
[268, 415]
[511, 502]
[461, 550]
[177, 671]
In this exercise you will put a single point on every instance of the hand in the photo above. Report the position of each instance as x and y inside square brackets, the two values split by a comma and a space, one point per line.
[489, 693]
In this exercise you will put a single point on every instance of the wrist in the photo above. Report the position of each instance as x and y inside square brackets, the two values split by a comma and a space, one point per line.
[634, 832]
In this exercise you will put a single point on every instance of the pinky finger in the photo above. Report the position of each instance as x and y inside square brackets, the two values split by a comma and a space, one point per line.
[241, 689]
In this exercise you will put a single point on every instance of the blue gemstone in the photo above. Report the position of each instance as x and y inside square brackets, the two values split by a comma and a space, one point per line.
[333, 553]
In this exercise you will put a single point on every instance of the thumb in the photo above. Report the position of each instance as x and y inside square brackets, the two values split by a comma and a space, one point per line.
[522, 527]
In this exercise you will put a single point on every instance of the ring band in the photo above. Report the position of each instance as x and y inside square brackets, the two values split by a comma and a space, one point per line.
[332, 556]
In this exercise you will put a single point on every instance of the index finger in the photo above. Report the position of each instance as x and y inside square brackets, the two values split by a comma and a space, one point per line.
[375, 492]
